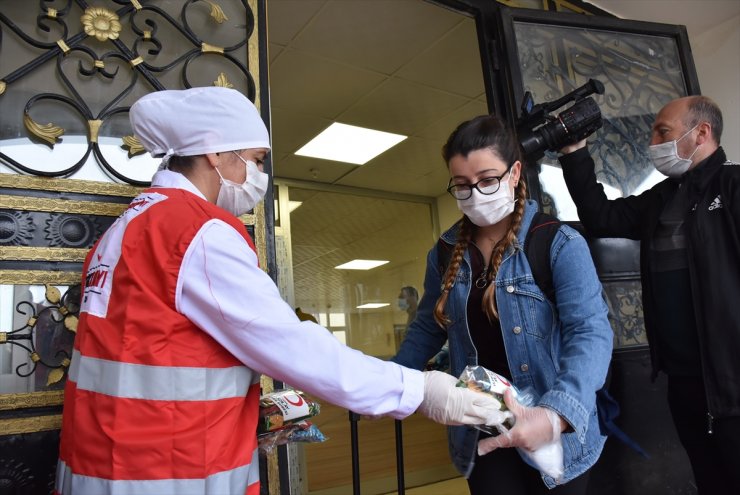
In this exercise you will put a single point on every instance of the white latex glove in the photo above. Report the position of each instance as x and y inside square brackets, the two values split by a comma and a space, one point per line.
[534, 427]
[446, 403]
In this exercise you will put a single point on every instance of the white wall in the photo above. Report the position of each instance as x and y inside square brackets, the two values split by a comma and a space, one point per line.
[717, 58]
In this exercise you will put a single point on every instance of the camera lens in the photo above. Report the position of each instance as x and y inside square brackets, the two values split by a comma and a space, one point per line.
[573, 124]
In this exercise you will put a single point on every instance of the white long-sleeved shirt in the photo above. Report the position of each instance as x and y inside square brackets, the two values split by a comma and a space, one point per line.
[224, 292]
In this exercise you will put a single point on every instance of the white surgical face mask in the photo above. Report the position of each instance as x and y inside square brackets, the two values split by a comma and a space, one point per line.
[488, 209]
[666, 160]
[238, 199]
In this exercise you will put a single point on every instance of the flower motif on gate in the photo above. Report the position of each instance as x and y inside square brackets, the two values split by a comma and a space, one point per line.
[101, 23]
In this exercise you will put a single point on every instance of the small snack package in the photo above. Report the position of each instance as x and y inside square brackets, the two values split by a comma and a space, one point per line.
[549, 457]
[483, 380]
[283, 418]
[283, 407]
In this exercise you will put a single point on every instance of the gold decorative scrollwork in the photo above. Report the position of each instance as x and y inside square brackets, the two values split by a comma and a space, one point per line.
[29, 400]
[64, 185]
[126, 27]
[217, 13]
[94, 129]
[36, 277]
[133, 144]
[47, 132]
[208, 48]
[56, 375]
[15, 426]
[43, 204]
[101, 23]
[23, 253]
[64, 47]
[222, 81]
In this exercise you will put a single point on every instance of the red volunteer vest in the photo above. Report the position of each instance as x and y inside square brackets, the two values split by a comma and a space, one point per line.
[154, 404]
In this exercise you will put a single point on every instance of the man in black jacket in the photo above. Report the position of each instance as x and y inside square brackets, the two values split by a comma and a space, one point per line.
[689, 228]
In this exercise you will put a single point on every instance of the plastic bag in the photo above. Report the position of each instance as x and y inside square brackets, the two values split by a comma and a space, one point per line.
[548, 458]
[303, 431]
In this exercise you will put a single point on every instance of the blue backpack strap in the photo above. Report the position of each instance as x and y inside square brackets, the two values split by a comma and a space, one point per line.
[608, 409]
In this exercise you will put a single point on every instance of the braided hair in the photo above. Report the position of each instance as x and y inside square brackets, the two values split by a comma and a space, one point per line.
[483, 132]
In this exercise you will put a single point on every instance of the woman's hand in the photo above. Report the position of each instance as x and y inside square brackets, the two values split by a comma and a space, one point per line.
[534, 427]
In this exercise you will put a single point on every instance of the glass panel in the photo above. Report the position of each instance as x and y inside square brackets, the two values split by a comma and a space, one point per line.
[640, 74]
[329, 229]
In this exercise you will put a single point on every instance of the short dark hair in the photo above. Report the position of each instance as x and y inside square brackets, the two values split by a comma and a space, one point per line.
[704, 109]
[410, 291]
[177, 162]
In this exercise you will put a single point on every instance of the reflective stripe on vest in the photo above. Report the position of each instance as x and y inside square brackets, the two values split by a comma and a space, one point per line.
[138, 381]
[241, 480]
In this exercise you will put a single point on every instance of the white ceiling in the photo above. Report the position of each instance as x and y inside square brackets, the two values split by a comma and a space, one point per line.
[407, 67]
[697, 15]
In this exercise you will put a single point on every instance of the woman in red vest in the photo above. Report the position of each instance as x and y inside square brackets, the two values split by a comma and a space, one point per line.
[178, 322]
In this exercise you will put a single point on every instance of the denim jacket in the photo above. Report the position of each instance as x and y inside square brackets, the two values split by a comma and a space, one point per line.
[561, 353]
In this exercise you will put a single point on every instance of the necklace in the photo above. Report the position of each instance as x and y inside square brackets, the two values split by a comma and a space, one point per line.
[482, 279]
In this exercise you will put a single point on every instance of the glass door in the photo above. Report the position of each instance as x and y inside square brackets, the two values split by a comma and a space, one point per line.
[642, 66]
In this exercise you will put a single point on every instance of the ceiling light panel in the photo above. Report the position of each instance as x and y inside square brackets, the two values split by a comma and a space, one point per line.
[350, 144]
[361, 264]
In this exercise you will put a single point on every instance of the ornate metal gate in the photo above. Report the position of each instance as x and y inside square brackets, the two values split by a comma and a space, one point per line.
[69, 164]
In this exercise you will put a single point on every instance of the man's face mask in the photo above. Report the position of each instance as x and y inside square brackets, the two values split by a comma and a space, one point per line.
[238, 199]
[666, 160]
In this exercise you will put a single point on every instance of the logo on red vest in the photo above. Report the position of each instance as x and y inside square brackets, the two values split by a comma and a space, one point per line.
[95, 279]
[138, 203]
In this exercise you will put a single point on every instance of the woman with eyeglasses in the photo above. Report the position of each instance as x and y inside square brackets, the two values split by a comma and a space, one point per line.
[482, 297]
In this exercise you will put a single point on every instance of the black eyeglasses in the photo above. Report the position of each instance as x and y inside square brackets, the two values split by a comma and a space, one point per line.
[487, 185]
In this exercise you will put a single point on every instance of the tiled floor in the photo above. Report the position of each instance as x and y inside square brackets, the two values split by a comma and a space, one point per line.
[456, 486]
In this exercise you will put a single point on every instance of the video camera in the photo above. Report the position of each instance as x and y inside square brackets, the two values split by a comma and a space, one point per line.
[538, 131]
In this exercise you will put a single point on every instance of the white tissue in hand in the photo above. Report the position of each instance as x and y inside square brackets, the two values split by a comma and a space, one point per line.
[549, 459]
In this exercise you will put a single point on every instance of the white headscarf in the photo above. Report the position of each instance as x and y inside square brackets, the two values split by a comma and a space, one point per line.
[195, 121]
